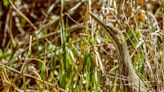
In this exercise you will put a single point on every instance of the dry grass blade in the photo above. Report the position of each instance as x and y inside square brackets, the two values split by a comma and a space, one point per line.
[23, 15]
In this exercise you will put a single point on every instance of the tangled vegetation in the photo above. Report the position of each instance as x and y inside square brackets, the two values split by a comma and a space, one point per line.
[82, 45]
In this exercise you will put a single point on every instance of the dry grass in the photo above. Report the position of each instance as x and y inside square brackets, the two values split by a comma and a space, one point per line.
[56, 45]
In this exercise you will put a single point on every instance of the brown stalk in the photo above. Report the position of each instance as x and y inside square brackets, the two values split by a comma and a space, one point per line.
[22, 15]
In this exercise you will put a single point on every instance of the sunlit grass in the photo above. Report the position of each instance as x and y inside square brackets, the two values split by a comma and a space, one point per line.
[70, 51]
